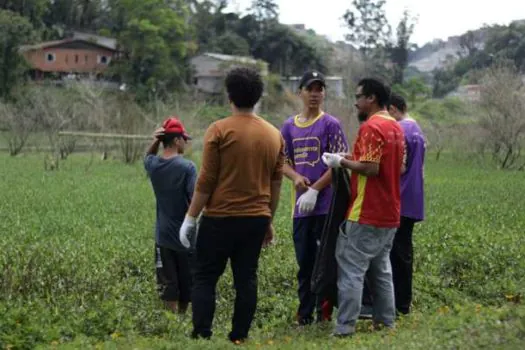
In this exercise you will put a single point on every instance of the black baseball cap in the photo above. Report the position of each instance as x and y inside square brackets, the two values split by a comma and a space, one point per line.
[310, 77]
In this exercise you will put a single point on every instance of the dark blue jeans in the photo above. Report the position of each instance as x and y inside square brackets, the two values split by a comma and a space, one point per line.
[306, 237]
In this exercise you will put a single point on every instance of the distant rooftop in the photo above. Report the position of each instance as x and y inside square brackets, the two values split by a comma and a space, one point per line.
[332, 77]
[110, 43]
[230, 58]
[107, 43]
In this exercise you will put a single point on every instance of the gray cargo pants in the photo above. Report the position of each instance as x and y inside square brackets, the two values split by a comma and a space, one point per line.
[360, 248]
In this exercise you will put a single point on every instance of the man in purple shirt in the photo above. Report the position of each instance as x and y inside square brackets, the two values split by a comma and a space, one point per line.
[412, 203]
[307, 136]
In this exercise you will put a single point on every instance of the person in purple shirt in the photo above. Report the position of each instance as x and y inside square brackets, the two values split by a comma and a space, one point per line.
[412, 204]
[307, 136]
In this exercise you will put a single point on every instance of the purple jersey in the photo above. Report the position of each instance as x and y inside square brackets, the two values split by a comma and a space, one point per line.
[412, 195]
[305, 143]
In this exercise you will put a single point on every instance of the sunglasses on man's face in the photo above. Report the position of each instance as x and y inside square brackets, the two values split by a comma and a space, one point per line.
[358, 96]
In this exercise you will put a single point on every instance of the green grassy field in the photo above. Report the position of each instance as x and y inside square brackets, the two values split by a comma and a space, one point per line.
[78, 269]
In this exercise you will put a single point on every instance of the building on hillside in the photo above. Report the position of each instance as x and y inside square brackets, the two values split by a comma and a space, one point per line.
[471, 93]
[82, 55]
[298, 26]
[334, 85]
[209, 70]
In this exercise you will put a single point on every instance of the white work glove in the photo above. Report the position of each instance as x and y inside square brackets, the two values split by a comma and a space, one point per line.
[187, 230]
[306, 201]
[332, 160]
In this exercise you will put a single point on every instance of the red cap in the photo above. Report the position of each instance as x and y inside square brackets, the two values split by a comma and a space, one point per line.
[173, 125]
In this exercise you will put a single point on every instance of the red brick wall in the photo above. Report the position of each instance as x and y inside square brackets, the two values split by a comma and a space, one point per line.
[66, 60]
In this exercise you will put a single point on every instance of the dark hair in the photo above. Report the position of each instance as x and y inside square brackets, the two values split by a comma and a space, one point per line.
[169, 139]
[398, 101]
[371, 86]
[244, 86]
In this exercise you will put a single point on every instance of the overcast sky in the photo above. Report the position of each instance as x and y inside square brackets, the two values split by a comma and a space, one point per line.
[438, 19]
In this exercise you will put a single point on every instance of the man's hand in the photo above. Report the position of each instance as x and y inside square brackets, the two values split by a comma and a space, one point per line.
[158, 134]
[268, 238]
[301, 183]
[187, 230]
[332, 160]
[307, 200]
[155, 144]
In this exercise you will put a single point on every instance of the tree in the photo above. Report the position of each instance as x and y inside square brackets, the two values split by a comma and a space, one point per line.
[248, 28]
[467, 43]
[265, 10]
[154, 41]
[444, 81]
[502, 104]
[439, 119]
[286, 52]
[367, 24]
[33, 10]
[414, 90]
[16, 30]
[18, 125]
[79, 14]
[501, 43]
[508, 43]
[231, 43]
[208, 23]
[399, 52]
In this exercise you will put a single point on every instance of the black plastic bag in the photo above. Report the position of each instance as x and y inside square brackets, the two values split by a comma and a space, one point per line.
[324, 275]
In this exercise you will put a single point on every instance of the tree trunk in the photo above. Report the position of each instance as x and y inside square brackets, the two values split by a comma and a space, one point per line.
[506, 159]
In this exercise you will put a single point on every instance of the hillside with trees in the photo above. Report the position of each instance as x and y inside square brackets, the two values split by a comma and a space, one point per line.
[156, 39]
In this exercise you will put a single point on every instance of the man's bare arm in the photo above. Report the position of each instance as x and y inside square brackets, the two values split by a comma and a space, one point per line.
[362, 168]
[323, 181]
[275, 194]
[198, 202]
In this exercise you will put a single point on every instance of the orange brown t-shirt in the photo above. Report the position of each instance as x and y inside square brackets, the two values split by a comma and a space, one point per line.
[242, 156]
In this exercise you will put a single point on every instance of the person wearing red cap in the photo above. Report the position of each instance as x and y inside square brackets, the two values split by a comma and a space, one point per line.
[238, 188]
[173, 179]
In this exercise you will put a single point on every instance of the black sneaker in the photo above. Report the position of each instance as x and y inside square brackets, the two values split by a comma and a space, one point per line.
[342, 335]
[304, 321]
[196, 335]
[235, 339]
[366, 312]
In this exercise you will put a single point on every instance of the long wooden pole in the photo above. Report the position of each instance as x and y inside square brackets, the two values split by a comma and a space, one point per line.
[104, 135]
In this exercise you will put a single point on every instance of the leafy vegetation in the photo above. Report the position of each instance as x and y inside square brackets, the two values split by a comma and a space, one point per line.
[158, 37]
[77, 265]
[488, 47]
[16, 30]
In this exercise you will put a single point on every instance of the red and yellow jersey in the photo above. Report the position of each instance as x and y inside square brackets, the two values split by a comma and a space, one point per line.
[376, 200]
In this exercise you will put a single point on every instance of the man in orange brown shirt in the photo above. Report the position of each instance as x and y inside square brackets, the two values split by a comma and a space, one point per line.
[238, 187]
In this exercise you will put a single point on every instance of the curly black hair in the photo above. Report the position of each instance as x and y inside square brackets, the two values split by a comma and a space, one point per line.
[371, 86]
[244, 87]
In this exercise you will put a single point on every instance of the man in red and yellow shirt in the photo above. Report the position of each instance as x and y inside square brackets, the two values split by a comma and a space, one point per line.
[365, 239]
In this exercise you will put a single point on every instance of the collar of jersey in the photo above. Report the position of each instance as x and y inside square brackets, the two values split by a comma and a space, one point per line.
[308, 123]
[383, 115]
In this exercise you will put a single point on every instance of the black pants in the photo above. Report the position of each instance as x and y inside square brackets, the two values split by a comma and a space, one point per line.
[306, 235]
[219, 239]
[173, 269]
[402, 265]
